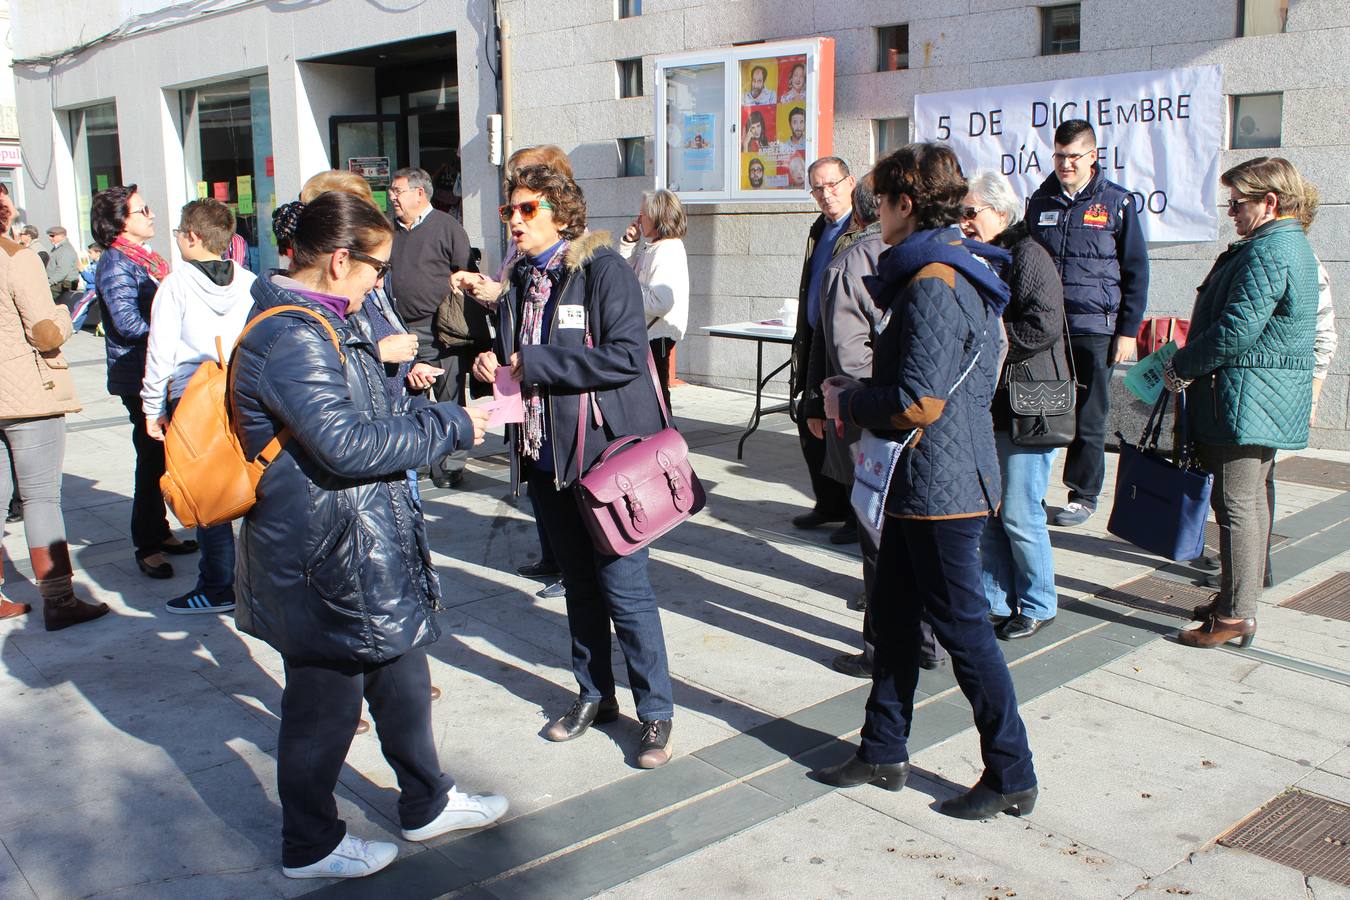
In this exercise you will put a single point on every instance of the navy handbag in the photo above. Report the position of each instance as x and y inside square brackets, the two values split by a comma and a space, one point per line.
[1161, 505]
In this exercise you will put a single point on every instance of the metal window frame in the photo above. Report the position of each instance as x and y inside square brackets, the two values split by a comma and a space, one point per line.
[1047, 42]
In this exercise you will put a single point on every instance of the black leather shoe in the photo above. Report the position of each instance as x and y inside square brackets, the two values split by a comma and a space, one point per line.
[932, 662]
[1020, 626]
[845, 534]
[858, 602]
[855, 665]
[182, 548]
[163, 570]
[997, 620]
[539, 569]
[854, 771]
[573, 723]
[982, 802]
[448, 479]
[814, 519]
[654, 747]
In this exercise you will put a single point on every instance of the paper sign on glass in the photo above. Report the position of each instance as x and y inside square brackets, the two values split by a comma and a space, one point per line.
[1145, 378]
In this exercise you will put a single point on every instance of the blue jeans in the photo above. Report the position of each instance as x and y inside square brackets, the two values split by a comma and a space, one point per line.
[215, 564]
[1019, 566]
[935, 567]
[601, 589]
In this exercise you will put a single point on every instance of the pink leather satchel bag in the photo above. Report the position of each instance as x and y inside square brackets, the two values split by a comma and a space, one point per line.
[640, 487]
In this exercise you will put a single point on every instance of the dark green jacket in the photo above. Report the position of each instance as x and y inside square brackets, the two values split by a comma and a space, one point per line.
[1250, 347]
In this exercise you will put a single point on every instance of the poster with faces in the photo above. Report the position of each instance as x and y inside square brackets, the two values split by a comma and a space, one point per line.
[774, 111]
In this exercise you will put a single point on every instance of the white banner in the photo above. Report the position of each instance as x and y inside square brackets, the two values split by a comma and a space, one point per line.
[1158, 136]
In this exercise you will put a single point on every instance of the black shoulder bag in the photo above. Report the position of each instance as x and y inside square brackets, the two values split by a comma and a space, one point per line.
[1043, 411]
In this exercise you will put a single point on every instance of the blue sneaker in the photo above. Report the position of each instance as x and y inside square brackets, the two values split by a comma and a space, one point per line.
[200, 602]
[1075, 512]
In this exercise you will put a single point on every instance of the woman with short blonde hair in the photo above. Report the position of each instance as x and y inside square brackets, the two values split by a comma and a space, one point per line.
[662, 268]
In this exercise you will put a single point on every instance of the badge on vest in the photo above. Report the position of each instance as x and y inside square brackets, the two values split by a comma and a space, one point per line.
[572, 315]
[1096, 216]
[1049, 217]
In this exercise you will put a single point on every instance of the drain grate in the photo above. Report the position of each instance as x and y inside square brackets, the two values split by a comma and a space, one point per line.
[1307, 833]
[1321, 473]
[1160, 595]
[1331, 598]
[1212, 537]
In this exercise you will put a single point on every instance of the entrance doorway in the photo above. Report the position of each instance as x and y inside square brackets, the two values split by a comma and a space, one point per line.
[413, 121]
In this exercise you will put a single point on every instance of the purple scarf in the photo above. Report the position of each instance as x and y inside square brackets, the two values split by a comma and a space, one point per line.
[537, 292]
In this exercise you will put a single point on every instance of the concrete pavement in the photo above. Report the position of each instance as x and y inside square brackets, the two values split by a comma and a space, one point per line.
[138, 751]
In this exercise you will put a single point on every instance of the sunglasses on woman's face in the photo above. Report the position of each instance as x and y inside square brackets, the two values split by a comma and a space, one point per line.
[381, 266]
[528, 210]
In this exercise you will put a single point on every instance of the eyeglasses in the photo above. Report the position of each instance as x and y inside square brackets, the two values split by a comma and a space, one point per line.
[971, 212]
[381, 266]
[144, 210]
[1071, 157]
[819, 191]
[399, 192]
[528, 210]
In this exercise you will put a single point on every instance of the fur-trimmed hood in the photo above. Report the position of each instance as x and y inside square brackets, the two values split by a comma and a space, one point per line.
[584, 248]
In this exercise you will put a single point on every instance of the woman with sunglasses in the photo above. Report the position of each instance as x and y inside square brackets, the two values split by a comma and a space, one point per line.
[127, 277]
[571, 331]
[334, 568]
[1247, 369]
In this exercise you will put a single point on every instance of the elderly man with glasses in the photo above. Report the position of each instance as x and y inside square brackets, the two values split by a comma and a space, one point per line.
[832, 188]
[1092, 230]
[429, 246]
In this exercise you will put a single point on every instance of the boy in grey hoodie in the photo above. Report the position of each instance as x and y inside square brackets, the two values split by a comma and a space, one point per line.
[206, 299]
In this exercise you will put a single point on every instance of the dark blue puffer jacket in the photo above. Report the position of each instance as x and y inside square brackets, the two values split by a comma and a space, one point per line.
[333, 559]
[125, 291]
[1098, 246]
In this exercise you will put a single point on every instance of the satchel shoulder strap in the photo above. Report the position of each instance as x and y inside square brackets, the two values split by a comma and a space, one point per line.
[588, 395]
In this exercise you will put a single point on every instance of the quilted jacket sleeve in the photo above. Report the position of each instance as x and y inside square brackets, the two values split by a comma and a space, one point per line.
[303, 385]
[119, 288]
[1257, 285]
[620, 353]
[930, 347]
[1035, 316]
[46, 325]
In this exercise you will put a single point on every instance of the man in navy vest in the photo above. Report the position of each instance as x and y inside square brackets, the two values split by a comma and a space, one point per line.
[1092, 230]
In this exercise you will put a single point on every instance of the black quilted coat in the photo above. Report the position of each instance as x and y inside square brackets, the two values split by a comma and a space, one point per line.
[333, 562]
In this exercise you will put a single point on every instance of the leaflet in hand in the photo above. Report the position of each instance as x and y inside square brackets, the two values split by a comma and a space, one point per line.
[1145, 378]
[506, 405]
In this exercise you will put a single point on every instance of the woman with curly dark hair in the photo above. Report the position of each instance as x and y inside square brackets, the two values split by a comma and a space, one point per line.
[933, 369]
[572, 331]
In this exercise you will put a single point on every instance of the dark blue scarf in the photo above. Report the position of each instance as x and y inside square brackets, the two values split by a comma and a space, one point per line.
[942, 245]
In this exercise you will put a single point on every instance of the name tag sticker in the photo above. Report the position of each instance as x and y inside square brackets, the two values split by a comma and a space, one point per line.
[572, 315]
[1051, 217]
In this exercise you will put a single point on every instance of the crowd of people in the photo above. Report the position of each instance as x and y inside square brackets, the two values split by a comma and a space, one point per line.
[924, 294]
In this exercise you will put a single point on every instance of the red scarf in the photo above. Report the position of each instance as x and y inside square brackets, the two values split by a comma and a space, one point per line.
[155, 265]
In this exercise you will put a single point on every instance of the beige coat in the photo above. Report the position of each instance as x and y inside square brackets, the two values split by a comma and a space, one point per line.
[34, 377]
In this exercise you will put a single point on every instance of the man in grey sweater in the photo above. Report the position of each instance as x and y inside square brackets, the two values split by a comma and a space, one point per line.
[63, 264]
[429, 246]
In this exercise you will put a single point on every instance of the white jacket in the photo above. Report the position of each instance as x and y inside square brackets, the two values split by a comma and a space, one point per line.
[1324, 346]
[189, 312]
[663, 271]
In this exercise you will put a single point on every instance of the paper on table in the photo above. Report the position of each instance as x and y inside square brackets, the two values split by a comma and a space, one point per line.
[506, 404]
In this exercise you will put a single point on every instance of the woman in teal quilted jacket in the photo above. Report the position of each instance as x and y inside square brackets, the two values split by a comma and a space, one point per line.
[1247, 369]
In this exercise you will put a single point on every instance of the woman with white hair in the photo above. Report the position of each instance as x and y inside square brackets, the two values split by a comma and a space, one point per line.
[1019, 569]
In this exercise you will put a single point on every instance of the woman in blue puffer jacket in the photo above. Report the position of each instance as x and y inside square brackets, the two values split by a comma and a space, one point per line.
[127, 277]
[334, 569]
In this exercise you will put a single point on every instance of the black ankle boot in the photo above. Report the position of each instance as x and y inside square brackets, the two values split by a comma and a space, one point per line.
[981, 802]
[854, 772]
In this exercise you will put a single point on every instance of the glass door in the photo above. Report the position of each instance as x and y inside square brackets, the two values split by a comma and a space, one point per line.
[369, 146]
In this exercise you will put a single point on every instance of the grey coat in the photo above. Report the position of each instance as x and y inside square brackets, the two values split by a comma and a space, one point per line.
[843, 342]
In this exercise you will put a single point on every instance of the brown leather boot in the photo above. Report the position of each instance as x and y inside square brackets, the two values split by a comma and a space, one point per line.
[60, 607]
[8, 608]
[1217, 631]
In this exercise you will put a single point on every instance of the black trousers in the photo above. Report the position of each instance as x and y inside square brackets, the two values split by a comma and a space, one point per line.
[929, 648]
[661, 350]
[451, 386]
[831, 496]
[320, 707]
[1085, 460]
[149, 519]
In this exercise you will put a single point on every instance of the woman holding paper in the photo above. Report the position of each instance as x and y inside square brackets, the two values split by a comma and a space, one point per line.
[933, 368]
[1247, 369]
[571, 331]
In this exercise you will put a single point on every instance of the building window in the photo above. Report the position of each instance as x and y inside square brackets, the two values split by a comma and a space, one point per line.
[632, 157]
[98, 156]
[889, 135]
[630, 8]
[630, 77]
[1262, 17]
[892, 48]
[1060, 26]
[1256, 121]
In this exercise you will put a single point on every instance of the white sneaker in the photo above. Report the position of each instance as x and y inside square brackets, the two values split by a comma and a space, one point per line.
[460, 813]
[353, 858]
